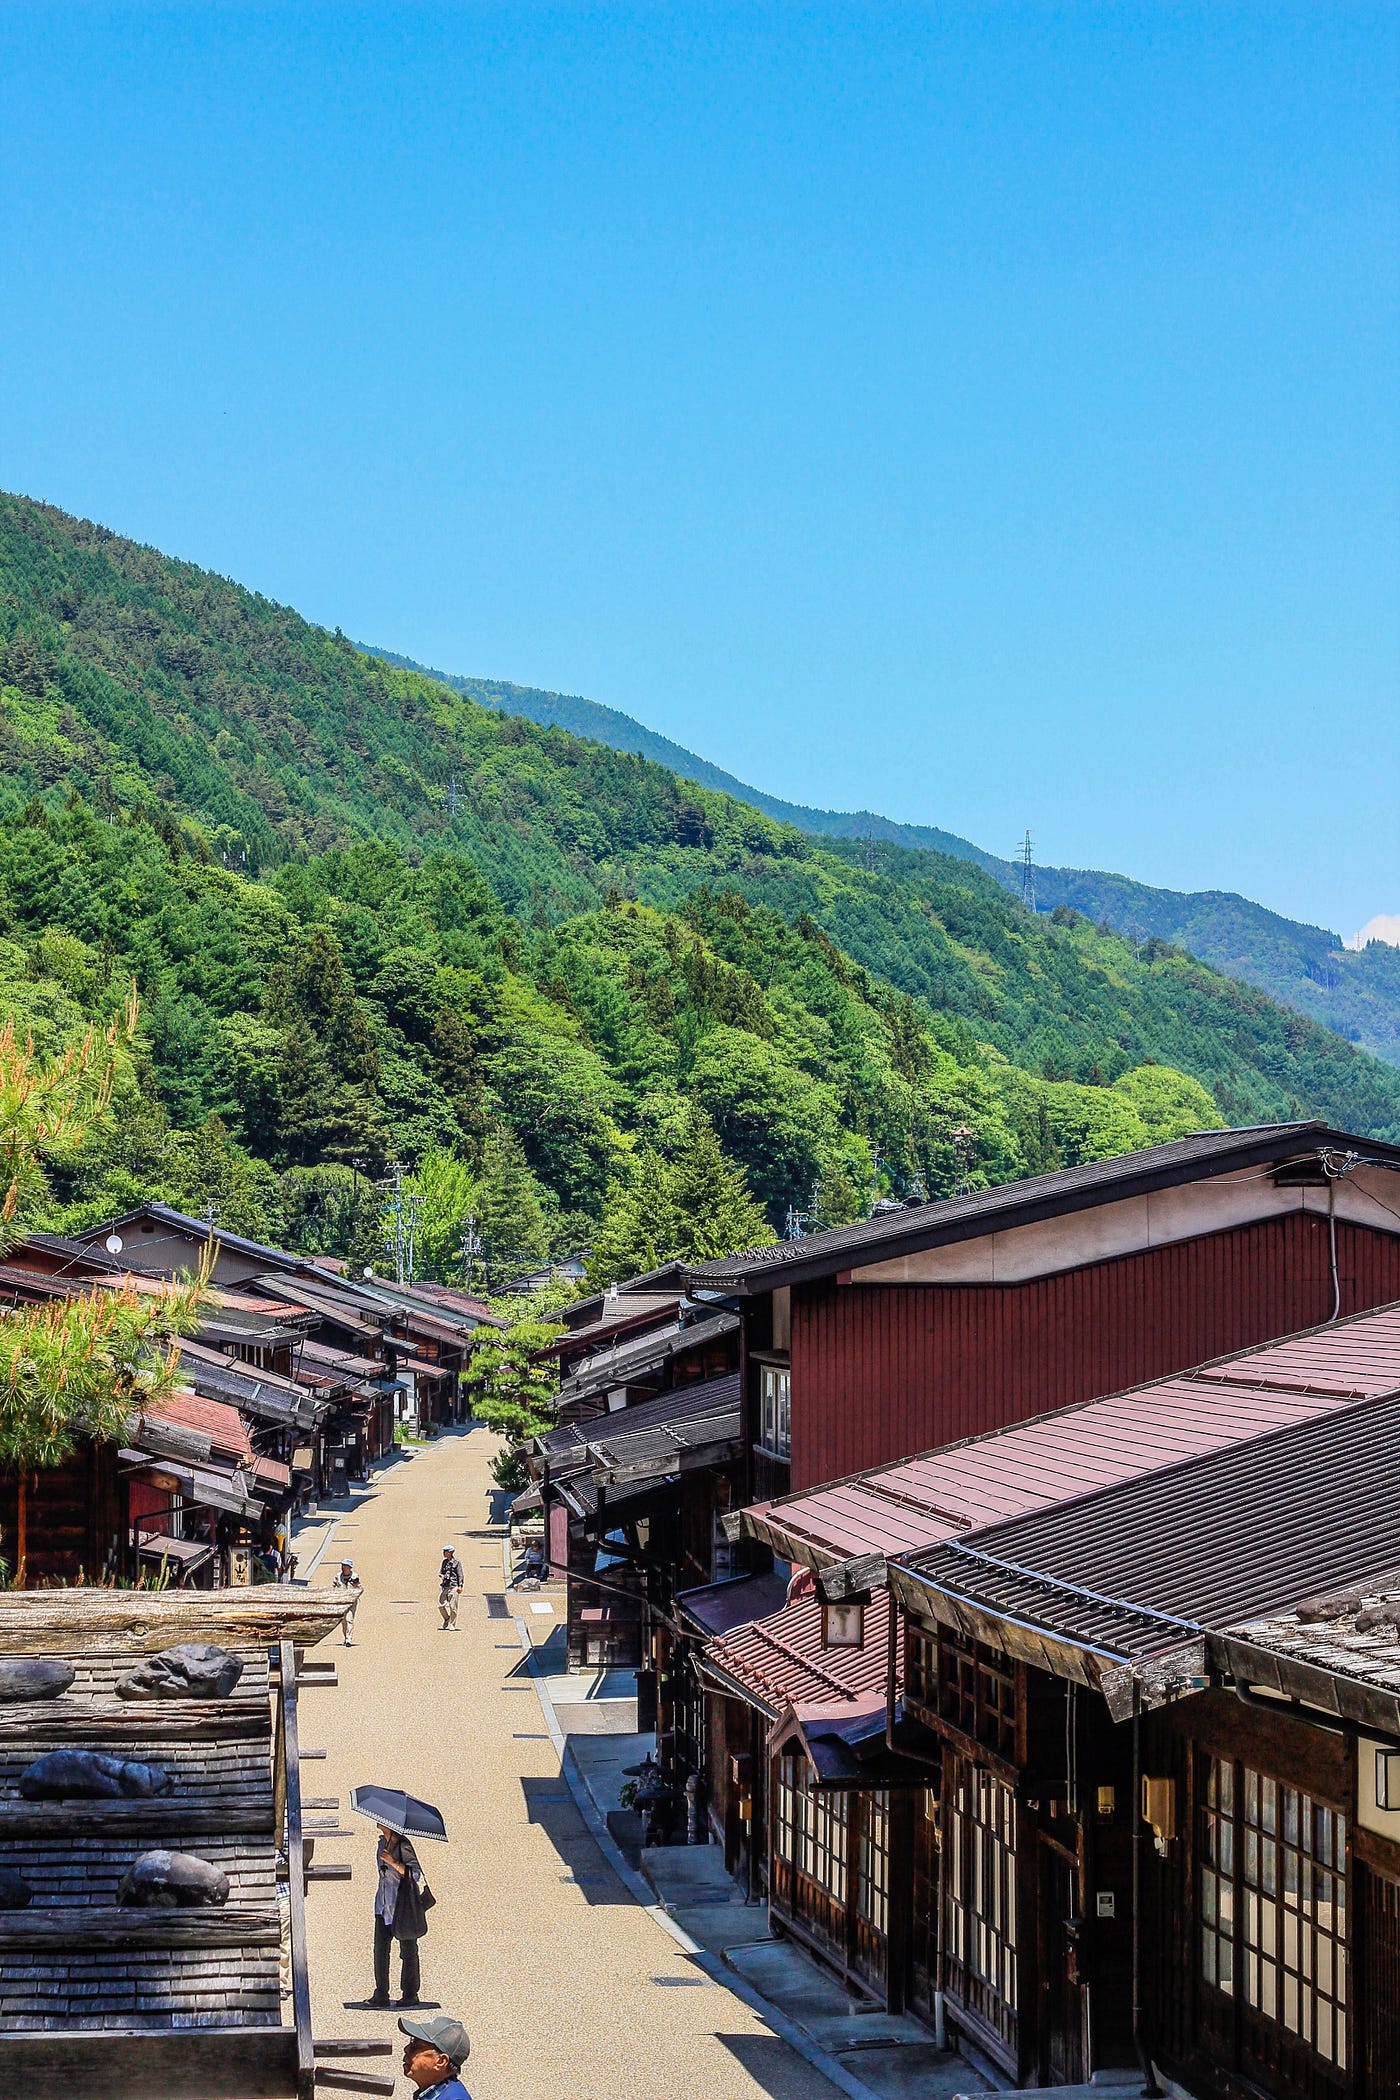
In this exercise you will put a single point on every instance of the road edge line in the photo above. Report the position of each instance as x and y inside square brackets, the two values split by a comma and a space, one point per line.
[644, 1896]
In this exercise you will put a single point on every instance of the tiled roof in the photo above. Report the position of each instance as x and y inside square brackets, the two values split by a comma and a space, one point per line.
[223, 1425]
[779, 1660]
[907, 1507]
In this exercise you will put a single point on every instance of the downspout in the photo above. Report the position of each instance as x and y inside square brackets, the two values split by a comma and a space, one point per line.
[1336, 1166]
[1150, 2086]
[891, 1666]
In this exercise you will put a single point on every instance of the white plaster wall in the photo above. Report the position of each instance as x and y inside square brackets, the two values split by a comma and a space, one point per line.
[1370, 1196]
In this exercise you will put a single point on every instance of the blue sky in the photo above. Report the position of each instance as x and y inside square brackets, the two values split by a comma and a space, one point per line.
[989, 415]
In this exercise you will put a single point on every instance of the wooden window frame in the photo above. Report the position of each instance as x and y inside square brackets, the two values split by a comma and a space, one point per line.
[775, 1422]
[1273, 1950]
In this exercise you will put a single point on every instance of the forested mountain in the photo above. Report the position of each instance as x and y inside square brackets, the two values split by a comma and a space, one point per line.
[1304, 966]
[371, 919]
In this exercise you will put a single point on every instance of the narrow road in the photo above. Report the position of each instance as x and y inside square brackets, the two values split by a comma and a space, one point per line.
[568, 1990]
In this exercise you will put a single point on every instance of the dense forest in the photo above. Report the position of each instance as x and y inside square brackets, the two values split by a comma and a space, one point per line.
[371, 921]
[1355, 993]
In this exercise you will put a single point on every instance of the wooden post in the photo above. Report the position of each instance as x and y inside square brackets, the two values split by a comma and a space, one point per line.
[296, 1876]
[899, 1911]
[21, 1526]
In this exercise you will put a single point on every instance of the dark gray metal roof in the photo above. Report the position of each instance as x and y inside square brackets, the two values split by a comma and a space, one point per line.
[677, 1430]
[641, 1353]
[910, 1230]
[1204, 1546]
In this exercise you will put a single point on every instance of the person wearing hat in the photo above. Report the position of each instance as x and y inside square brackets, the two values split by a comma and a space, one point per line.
[451, 1582]
[349, 1582]
[433, 2057]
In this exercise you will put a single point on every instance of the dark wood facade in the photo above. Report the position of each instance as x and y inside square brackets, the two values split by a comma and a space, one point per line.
[66, 1523]
[1269, 1919]
[883, 1370]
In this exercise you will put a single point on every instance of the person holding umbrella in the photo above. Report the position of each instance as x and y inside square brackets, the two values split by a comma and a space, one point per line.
[402, 1898]
[400, 1913]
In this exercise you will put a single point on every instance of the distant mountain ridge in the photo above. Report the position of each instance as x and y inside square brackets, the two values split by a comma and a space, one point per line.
[1306, 967]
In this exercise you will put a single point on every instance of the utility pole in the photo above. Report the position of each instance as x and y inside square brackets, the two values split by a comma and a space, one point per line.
[1027, 866]
[471, 1247]
[401, 1235]
[963, 1143]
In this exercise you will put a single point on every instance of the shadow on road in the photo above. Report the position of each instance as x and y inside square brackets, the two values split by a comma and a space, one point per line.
[551, 1809]
[774, 2069]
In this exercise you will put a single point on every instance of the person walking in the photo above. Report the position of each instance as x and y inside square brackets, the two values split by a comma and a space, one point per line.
[349, 1583]
[433, 2057]
[401, 1902]
[451, 1581]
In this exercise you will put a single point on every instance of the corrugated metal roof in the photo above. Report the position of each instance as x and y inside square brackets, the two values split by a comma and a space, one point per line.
[902, 1508]
[1206, 1545]
[718, 1607]
[658, 1433]
[779, 1660]
[633, 1358]
[1019, 1202]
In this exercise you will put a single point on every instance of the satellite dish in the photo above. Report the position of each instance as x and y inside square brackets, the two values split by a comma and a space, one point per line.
[115, 1243]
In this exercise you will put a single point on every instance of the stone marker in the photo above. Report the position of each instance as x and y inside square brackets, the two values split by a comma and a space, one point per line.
[194, 1670]
[163, 1880]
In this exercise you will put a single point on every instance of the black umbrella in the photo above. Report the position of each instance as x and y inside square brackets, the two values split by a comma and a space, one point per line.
[398, 1811]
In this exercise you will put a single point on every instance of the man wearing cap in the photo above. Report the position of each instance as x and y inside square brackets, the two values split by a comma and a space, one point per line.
[350, 1585]
[434, 2055]
[451, 1582]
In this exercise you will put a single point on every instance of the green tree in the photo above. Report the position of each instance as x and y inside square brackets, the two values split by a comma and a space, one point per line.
[696, 1207]
[85, 1365]
[514, 1228]
[511, 1389]
[770, 1116]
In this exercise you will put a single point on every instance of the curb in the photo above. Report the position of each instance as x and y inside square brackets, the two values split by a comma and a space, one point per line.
[778, 2023]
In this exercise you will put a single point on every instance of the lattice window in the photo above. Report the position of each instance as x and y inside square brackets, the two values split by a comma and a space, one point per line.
[873, 1864]
[981, 1917]
[920, 1667]
[1274, 1904]
[811, 1828]
[977, 1692]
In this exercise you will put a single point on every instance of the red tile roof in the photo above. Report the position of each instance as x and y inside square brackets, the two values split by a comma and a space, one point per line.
[780, 1661]
[898, 1509]
[223, 1425]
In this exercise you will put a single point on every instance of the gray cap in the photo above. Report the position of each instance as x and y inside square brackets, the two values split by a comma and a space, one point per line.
[448, 2035]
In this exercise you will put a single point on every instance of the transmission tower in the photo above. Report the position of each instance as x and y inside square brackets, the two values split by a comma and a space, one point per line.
[1026, 862]
[452, 795]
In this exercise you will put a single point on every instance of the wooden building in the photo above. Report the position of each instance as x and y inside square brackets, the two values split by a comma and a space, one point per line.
[159, 2004]
[946, 1319]
[376, 1354]
[1152, 1671]
[634, 1503]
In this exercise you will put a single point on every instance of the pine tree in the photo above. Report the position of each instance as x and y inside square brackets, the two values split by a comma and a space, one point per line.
[715, 1213]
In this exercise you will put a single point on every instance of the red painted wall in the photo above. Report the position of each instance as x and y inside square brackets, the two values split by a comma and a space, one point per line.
[881, 1371]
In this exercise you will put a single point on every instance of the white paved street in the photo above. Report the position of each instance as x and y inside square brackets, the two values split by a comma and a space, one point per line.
[568, 1989]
